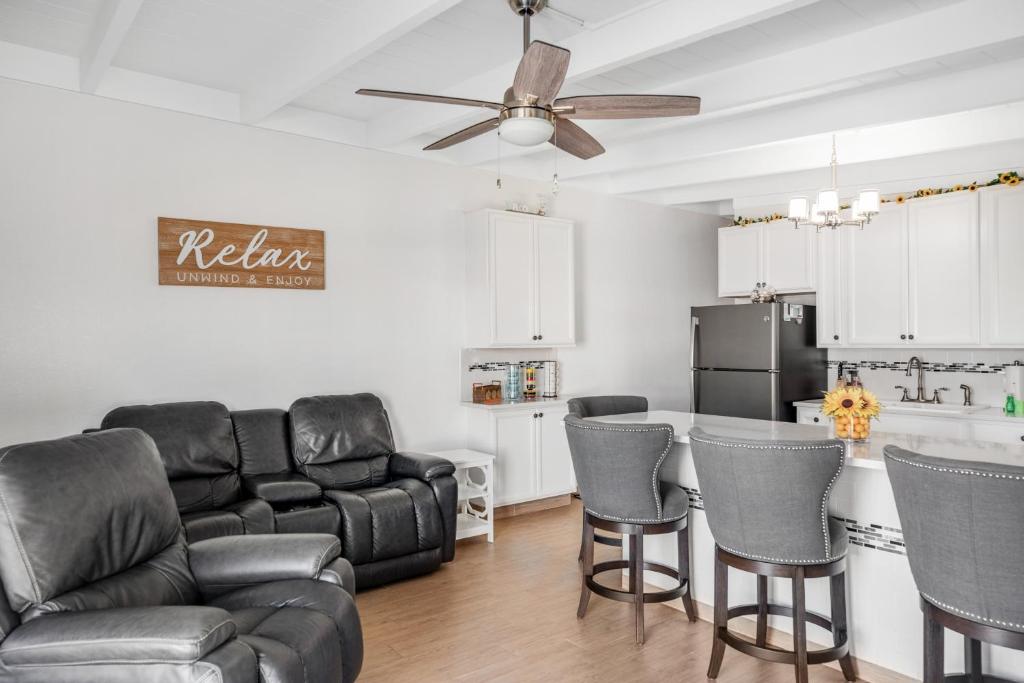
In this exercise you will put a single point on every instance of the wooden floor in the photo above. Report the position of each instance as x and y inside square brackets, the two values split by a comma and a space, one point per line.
[507, 612]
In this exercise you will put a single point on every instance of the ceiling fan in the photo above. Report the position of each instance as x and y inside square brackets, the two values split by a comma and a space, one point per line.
[530, 114]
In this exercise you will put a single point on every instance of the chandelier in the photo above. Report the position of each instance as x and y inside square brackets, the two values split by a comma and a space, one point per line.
[826, 211]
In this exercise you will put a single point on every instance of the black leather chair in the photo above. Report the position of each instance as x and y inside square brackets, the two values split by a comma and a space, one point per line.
[197, 445]
[100, 585]
[398, 509]
[263, 438]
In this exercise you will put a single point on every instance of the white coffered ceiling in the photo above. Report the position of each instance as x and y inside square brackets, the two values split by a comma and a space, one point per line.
[914, 89]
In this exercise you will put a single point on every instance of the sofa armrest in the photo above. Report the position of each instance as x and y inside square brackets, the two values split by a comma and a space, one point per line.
[121, 635]
[282, 488]
[227, 563]
[422, 466]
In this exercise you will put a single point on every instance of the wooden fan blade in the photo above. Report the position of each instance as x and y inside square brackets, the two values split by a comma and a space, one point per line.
[440, 99]
[627, 106]
[464, 134]
[574, 140]
[541, 73]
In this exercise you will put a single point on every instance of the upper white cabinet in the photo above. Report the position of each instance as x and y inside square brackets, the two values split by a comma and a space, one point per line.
[943, 299]
[831, 326]
[774, 253]
[521, 287]
[1002, 253]
[739, 260]
[874, 271]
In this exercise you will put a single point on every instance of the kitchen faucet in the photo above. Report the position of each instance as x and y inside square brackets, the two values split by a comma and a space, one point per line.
[920, 385]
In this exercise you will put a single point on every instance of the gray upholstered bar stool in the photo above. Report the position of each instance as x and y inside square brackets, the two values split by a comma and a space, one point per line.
[962, 525]
[598, 406]
[617, 467]
[766, 503]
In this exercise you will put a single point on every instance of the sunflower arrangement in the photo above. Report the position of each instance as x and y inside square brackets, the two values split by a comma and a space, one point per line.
[852, 409]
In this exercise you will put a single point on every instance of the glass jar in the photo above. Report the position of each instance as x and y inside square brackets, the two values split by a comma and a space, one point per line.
[853, 428]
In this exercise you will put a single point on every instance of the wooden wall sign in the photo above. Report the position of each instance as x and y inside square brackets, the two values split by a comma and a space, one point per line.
[210, 254]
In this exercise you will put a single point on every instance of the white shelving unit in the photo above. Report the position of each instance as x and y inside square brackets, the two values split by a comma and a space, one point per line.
[474, 471]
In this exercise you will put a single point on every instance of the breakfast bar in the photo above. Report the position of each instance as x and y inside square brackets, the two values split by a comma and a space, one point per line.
[884, 613]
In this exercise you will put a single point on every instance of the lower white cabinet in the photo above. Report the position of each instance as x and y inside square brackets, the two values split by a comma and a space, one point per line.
[932, 425]
[530, 448]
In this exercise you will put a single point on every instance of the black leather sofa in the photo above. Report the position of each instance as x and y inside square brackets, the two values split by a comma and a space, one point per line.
[99, 584]
[329, 464]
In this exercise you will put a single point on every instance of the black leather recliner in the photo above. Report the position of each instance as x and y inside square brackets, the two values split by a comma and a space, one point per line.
[197, 445]
[398, 509]
[100, 585]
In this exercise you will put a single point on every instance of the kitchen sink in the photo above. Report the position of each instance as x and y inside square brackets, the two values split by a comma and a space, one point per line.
[939, 408]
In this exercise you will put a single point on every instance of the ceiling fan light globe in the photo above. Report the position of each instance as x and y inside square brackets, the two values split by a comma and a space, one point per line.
[526, 132]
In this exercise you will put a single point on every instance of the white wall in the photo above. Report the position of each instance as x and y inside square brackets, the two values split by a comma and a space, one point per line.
[84, 327]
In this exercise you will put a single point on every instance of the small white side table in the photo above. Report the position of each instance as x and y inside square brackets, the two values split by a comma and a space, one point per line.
[474, 471]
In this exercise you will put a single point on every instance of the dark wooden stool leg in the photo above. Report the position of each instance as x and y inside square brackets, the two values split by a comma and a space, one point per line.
[683, 553]
[800, 625]
[762, 611]
[583, 536]
[972, 660]
[839, 627]
[636, 573]
[587, 552]
[721, 615]
[933, 647]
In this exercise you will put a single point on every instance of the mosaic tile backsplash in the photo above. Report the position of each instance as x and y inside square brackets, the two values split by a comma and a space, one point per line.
[901, 366]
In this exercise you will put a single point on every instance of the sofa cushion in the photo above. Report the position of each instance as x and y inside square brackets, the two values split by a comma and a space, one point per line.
[206, 493]
[246, 517]
[328, 430]
[317, 519]
[78, 510]
[400, 518]
[283, 488]
[264, 441]
[194, 439]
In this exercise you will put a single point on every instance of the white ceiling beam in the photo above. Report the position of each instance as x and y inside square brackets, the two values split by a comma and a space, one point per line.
[638, 35]
[907, 138]
[891, 176]
[975, 88]
[802, 74]
[368, 27]
[112, 24]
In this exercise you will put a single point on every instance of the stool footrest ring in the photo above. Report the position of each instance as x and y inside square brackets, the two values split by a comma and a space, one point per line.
[627, 596]
[781, 611]
[778, 655]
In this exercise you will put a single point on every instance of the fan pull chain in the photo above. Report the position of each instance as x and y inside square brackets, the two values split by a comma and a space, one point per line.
[499, 159]
[554, 179]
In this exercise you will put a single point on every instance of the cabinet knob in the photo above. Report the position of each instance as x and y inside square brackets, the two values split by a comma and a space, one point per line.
[903, 336]
[534, 337]
[541, 336]
[911, 336]
[835, 337]
[540, 414]
[535, 416]
[1022, 437]
[817, 419]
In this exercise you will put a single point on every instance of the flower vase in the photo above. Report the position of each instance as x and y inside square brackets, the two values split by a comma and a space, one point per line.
[852, 428]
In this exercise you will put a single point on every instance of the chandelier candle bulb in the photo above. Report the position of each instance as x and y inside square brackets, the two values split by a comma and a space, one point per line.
[798, 208]
[828, 201]
[869, 201]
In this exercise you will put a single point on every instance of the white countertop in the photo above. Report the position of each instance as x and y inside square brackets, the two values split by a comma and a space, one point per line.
[867, 455]
[986, 414]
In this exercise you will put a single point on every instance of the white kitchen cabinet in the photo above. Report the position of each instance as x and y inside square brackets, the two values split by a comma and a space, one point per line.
[776, 254]
[875, 280]
[943, 304]
[1002, 253]
[530, 447]
[789, 257]
[520, 282]
[998, 432]
[829, 298]
[739, 260]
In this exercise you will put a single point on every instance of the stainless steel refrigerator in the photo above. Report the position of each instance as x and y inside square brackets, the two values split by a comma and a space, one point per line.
[754, 360]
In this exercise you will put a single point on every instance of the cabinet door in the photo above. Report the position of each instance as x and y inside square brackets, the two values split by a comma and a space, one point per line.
[554, 461]
[1002, 252]
[998, 432]
[556, 286]
[511, 279]
[943, 276]
[789, 256]
[739, 260]
[875, 275]
[515, 474]
[829, 297]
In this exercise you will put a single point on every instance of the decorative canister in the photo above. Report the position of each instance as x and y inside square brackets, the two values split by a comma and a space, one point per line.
[550, 369]
[514, 383]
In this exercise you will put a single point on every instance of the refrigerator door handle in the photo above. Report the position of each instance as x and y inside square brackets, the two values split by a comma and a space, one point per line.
[694, 322]
[775, 390]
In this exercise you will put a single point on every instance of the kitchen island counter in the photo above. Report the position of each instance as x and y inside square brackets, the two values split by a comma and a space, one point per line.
[885, 617]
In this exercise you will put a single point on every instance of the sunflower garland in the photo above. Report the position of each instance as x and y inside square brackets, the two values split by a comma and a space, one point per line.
[1009, 178]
